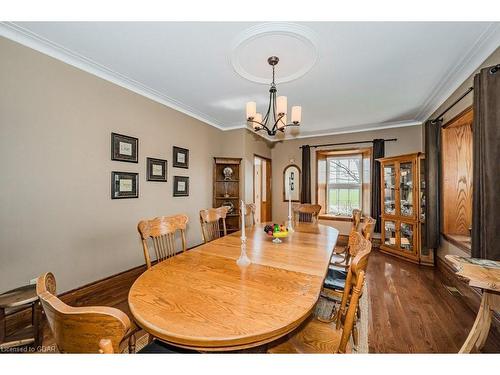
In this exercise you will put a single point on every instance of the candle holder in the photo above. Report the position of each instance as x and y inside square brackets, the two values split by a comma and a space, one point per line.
[243, 260]
[289, 225]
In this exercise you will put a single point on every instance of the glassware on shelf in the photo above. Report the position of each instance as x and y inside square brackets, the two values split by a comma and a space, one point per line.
[406, 188]
[390, 233]
[406, 235]
[390, 189]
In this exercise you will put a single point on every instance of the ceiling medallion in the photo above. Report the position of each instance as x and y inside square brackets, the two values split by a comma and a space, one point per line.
[275, 117]
[293, 42]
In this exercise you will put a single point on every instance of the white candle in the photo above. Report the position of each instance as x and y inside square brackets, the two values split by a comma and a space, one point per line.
[243, 212]
[289, 200]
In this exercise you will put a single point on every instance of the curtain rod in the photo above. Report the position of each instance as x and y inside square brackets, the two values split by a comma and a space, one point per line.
[349, 143]
[452, 105]
[493, 70]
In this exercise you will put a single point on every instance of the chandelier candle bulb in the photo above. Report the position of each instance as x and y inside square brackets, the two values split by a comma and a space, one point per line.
[251, 110]
[281, 104]
[296, 114]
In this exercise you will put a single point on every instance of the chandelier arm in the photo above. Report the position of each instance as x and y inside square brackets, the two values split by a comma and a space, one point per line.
[278, 120]
[266, 117]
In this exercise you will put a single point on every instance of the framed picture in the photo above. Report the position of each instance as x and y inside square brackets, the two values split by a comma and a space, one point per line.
[181, 157]
[156, 169]
[124, 185]
[124, 148]
[291, 183]
[181, 186]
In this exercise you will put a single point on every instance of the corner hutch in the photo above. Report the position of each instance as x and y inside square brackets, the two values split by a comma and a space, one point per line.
[403, 208]
[226, 189]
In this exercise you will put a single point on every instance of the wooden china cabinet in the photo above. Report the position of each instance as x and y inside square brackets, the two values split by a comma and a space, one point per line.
[226, 189]
[403, 208]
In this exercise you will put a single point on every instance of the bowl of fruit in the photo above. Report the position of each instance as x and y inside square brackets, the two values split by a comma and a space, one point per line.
[276, 231]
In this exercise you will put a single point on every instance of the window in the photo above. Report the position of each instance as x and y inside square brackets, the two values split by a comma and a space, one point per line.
[344, 184]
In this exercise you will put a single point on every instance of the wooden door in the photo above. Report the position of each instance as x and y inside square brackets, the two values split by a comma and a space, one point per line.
[262, 188]
[266, 206]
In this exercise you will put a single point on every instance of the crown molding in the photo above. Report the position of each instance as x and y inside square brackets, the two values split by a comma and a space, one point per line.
[484, 46]
[344, 130]
[355, 129]
[34, 41]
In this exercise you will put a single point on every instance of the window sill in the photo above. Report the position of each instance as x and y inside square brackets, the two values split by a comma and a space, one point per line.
[460, 241]
[334, 218]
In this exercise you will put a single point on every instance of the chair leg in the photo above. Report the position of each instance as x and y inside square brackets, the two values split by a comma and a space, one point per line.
[2, 325]
[37, 323]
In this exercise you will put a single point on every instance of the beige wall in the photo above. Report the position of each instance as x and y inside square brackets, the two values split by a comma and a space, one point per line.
[493, 59]
[55, 208]
[286, 152]
[56, 212]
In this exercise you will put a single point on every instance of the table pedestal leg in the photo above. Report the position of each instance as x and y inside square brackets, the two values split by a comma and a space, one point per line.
[490, 302]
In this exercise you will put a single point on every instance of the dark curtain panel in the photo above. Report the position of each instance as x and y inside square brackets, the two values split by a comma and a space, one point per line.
[486, 165]
[305, 195]
[432, 182]
[378, 152]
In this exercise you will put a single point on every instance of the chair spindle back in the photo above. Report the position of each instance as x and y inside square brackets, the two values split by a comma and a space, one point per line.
[306, 212]
[162, 232]
[210, 223]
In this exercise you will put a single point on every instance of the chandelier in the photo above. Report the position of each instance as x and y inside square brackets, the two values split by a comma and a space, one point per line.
[275, 118]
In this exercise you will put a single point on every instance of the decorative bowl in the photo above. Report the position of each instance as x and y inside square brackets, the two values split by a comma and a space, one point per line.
[280, 234]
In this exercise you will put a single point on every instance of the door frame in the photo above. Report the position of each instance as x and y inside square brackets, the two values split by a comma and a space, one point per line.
[269, 177]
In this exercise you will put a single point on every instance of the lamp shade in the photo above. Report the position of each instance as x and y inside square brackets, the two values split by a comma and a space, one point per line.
[296, 114]
[251, 110]
[281, 104]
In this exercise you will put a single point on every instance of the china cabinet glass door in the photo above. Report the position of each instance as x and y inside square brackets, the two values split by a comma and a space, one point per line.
[406, 237]
[406, 189]
[390, 189]
[389, 228]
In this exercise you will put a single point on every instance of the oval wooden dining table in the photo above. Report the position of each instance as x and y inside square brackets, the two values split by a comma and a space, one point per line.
[202, 300]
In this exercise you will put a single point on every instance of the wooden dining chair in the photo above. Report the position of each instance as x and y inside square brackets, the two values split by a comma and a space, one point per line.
[340, 252]
[314, 336]
[79, 329]
[210, 223]
[249, 213]
[162, 233]
[306, 213]
[336, 280]
[341, 261]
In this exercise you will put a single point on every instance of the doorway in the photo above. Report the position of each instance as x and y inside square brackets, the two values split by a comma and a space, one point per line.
[262, 195]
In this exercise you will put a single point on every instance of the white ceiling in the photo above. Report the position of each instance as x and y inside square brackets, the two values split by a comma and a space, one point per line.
[347, 76]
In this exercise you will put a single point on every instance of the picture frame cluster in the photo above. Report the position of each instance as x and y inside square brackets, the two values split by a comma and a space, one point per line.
[125, 148]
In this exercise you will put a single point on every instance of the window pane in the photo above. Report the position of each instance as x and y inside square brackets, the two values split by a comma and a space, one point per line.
[344, 179]
[343, 201]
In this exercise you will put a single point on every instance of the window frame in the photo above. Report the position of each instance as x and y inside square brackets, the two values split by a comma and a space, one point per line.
[347, 186]
[321, 186]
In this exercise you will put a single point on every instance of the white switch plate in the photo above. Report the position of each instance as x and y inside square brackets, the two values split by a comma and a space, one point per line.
[33, 281]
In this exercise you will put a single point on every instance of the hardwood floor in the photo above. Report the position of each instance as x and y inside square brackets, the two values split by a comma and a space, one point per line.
[411, 311]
